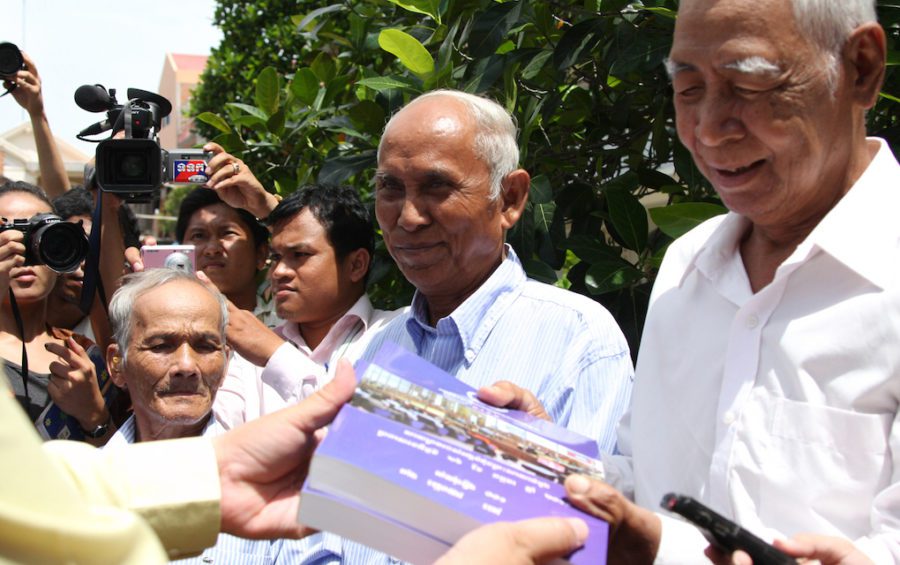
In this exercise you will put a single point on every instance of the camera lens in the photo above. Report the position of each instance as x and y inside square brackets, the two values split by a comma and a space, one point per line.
[62, 246]
[10, 59]
[133, 166]
[180, 261]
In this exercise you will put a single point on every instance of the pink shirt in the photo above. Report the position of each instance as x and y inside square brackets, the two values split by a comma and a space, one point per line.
[295, 371]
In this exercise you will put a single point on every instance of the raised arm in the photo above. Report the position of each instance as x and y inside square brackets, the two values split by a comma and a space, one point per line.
[54, 179]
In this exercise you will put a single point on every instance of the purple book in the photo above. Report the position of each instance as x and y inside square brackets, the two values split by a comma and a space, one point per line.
[415, 461]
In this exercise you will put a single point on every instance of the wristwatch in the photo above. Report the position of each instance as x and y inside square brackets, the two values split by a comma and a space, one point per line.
[98, 431]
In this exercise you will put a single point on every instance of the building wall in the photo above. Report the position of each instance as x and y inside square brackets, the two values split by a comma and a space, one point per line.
[181, 73]
[168, 89]
[18, 155]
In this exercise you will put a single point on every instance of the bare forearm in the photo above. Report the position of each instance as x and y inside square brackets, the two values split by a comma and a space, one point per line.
[112, 245]
[100, 322]
[54, 179]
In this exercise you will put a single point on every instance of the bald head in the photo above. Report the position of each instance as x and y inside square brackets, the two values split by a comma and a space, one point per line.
[493, 128]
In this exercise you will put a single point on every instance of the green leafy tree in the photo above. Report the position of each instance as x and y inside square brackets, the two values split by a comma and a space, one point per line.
[302, 91]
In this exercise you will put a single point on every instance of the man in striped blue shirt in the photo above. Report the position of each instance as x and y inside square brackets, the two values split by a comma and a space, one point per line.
[448, 187]
[171, 355]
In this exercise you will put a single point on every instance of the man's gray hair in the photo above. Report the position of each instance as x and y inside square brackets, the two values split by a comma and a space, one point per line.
[828, 23]
[495, 134]
[135, 285]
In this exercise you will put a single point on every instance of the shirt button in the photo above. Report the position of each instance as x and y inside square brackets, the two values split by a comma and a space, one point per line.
[728, 418]
[752, 321]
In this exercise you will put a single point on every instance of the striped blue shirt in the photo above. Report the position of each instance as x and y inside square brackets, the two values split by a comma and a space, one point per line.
[564, 347]
[231, 550]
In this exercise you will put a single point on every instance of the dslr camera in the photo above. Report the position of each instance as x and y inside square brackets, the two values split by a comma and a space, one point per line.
[135, 166]
[50, 241]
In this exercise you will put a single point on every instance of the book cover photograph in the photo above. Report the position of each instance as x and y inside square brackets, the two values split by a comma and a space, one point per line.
[415, 461]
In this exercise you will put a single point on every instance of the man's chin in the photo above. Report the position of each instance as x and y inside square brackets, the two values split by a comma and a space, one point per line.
[184, 406]
[187, 418]
[422, 271]
[288, 313]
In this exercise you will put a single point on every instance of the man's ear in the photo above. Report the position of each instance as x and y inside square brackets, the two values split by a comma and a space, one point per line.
[115, 365]
[358, 262]
[864, 58]
[262, 255]
[228, 353]
[514, 196]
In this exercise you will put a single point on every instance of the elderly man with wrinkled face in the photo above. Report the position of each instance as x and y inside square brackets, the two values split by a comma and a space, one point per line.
[768, 384]
[448, 187]
[171, 355]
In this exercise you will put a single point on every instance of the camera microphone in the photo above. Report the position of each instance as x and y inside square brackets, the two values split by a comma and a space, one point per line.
[94, 98]
[94, 129]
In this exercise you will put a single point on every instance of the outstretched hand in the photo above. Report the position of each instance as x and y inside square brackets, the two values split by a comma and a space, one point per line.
[263, 463]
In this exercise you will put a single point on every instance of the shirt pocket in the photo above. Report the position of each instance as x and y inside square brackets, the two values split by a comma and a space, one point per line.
[822, 467]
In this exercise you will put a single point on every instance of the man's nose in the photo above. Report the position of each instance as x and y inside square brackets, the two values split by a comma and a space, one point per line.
[212, 246]
[186, 360]
[413, 214]
[717, 121]
[278, 270]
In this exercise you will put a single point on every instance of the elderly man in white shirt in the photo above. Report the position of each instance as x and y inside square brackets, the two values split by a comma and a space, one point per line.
[768, 383]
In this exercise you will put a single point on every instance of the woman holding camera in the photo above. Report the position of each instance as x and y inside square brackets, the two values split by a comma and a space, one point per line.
[50, 370]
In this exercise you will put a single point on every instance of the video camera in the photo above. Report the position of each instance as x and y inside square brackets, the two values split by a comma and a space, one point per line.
[50, 241]
[135, 167]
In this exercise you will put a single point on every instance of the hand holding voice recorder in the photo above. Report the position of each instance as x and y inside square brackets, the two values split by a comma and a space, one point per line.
[723, 533]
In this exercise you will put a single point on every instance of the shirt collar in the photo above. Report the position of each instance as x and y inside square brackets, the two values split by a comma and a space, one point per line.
[127, 433]
[474, 319]
[859, 231]
[358, 314]
[719, 259]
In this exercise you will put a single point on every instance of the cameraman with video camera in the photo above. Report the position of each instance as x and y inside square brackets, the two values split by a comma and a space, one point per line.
[21, 79]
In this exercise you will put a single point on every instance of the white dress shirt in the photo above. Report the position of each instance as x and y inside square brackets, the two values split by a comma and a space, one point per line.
[778, 409]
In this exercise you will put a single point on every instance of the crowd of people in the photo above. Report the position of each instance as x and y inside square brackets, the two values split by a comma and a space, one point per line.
[767, 386]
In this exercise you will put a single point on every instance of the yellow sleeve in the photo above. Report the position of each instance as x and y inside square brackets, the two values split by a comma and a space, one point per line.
[66, 501]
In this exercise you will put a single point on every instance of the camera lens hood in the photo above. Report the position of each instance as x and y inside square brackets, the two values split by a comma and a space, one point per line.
[62, 246]
[11, 60]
